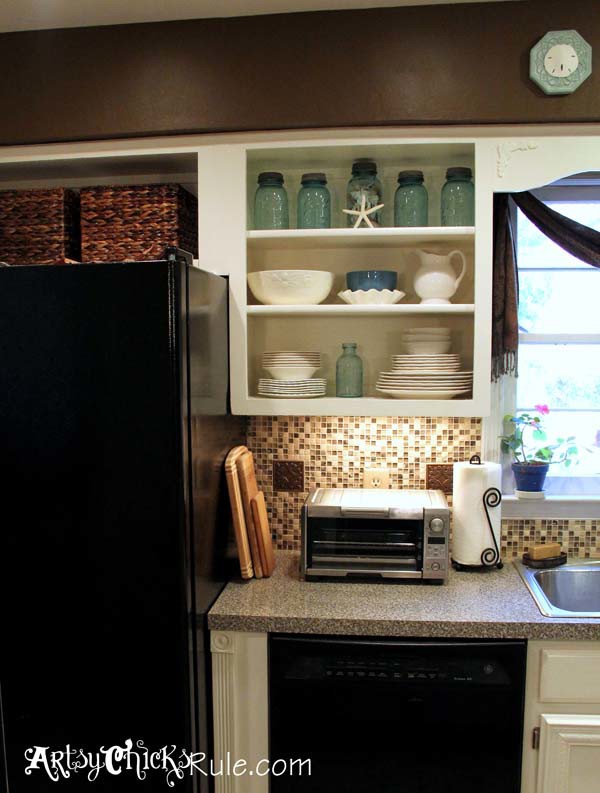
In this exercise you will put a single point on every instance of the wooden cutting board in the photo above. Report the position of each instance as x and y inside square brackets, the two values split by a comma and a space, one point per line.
[237, 511]
[263, 533]
[249, 490]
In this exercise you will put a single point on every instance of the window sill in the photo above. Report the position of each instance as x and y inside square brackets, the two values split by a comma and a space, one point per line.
[563, 507]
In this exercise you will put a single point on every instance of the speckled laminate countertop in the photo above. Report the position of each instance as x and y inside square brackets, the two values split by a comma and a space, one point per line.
[491, 604]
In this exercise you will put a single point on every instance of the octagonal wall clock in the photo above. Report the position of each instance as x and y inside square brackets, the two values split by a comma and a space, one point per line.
[560, 62]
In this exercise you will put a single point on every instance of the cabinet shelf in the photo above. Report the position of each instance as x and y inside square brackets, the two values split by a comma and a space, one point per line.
[346, 310]
[361, 238]
[363, 406]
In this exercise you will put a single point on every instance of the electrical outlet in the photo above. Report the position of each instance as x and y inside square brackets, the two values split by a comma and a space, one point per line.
[376, 478]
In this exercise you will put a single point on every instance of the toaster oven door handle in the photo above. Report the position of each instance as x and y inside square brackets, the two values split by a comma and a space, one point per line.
[361, 545]
[371, 512]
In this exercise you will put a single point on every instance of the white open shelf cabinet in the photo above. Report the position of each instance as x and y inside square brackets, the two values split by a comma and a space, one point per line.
[377, 330]
[222, 171]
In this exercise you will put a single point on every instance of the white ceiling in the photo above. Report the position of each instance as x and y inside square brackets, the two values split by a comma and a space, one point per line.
[44, 14]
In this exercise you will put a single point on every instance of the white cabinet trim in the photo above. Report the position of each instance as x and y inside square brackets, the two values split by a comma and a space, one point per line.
[240, 708]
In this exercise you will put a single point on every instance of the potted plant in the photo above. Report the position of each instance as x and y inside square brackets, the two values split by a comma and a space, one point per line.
[528, 443]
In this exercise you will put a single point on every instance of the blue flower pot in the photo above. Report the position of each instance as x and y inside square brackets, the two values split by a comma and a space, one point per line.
[372, 279]
[530, 478]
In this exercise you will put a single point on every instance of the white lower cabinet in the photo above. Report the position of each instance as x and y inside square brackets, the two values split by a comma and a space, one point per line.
[561, 751]
[569, 753]
[561, 748]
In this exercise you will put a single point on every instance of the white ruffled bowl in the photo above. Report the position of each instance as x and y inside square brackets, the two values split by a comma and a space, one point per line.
[371, 297]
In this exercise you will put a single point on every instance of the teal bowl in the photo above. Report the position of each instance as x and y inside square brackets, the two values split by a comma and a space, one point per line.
[372, 279]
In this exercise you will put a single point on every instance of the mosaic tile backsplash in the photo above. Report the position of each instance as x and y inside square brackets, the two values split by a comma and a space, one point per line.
[335, 450]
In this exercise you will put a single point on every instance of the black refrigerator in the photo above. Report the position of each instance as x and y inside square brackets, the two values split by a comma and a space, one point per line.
[114, 521]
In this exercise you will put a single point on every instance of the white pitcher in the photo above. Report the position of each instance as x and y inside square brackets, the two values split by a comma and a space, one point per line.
[435, 280]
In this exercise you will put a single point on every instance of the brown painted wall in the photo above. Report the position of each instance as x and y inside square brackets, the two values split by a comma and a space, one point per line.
[426, 65]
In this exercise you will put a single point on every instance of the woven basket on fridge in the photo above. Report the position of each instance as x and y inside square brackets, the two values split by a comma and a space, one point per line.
[137, 222]
[39, 226]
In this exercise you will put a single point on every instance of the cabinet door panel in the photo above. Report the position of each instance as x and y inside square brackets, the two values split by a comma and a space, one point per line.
[569, 753]
[570, 676]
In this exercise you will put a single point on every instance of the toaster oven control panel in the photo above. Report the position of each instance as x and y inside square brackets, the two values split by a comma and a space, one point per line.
[435, 547]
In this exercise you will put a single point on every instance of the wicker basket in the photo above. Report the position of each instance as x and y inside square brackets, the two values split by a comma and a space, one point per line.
[39, 226]
[137, 222]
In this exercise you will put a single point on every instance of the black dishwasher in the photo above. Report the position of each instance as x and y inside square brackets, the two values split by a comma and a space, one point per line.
[397, 716]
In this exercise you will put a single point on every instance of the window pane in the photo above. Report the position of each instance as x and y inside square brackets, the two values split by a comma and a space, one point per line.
[534, 249]
[559, 375]
[560, 302]
[586, 212]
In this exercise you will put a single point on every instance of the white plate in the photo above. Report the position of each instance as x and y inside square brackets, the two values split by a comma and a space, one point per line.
[291, 390]
[371, 297]
[286, 390]
[427, 378]
[427, 375]
[426, 358]
[425, 370]
[422, 387]
[289, 383]
[410, 394]
[292, 396]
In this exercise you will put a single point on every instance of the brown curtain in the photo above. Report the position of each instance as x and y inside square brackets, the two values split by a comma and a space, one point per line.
[505, 292]
[578, 240]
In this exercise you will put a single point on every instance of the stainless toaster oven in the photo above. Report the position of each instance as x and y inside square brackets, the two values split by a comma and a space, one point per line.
[375, 534]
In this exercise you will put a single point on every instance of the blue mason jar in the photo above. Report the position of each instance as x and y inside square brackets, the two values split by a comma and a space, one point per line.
[458, 198]
[271, 202]
[349, 373]
[314, 202]
[411, 200]
[364, 182]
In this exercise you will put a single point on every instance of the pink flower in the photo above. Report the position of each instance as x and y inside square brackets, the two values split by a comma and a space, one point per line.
[542, 409]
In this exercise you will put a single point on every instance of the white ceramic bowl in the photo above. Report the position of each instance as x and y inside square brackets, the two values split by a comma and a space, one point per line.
[290, 287]
[291, 372]
[427, 347]
[430, 331]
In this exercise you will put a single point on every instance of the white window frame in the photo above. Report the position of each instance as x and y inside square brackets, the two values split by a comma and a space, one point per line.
[504, 392]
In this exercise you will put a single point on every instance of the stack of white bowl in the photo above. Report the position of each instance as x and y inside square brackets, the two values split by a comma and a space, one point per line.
[292, 375]
[427, 341]
[428, 370]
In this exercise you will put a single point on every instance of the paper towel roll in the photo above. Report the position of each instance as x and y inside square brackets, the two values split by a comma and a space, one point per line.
[470, 529]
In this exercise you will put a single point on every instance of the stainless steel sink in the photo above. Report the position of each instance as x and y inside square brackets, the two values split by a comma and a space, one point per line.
[572, 590]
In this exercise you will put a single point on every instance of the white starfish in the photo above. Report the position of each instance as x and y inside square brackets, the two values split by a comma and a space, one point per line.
[363, 213]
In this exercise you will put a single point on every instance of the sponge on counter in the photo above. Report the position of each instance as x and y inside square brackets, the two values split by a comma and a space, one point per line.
[545, 551]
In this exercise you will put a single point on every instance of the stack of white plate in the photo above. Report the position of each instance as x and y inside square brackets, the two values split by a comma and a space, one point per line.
[425, 377]
[427, 341]
[292, 389]
[291, 365]
[292, 375]
[425, 386]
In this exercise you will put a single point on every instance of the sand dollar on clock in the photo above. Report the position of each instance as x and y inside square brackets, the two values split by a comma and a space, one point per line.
[560, 62]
